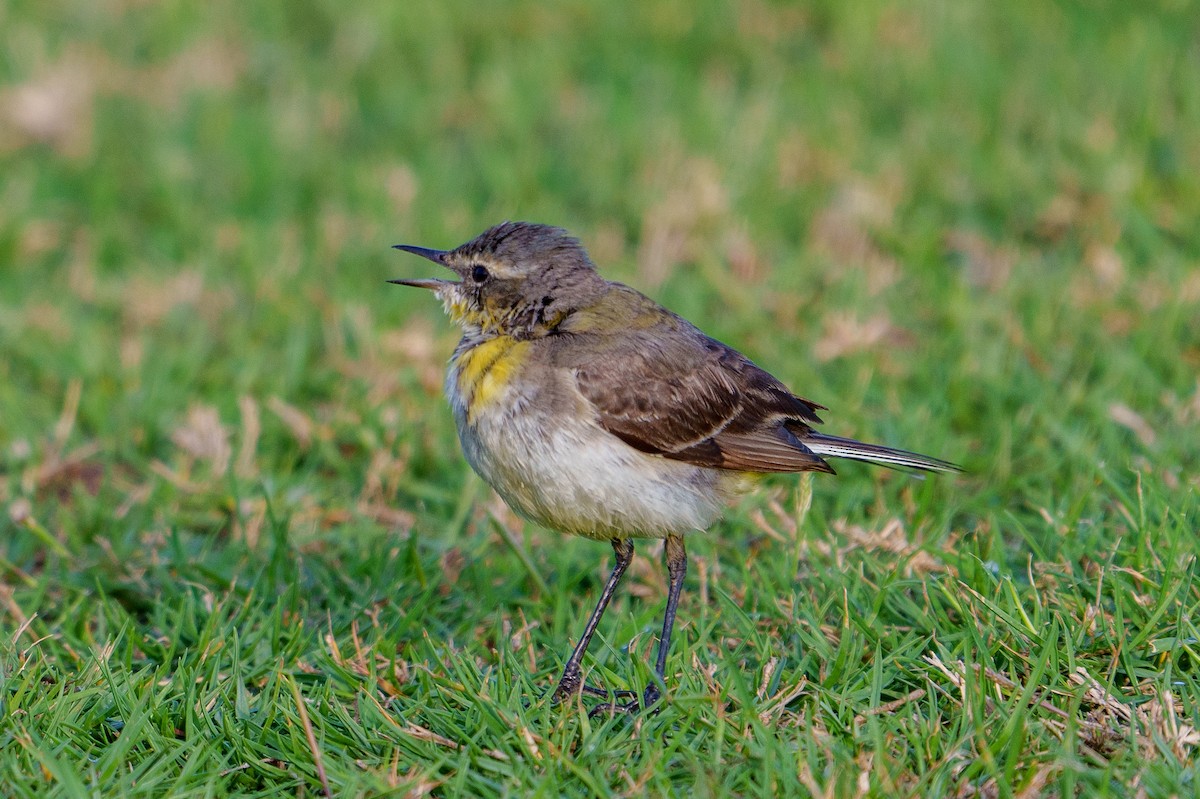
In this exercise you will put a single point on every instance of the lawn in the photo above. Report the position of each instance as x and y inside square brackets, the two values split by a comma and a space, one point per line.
[241, 552]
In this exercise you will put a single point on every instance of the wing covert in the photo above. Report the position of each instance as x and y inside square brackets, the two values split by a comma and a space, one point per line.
[692, 398]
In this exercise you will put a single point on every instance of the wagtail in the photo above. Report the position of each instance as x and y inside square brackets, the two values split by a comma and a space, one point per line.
[593, 410]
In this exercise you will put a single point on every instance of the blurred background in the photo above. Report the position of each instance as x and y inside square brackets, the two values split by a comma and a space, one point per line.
[969, 228]
[922, 211]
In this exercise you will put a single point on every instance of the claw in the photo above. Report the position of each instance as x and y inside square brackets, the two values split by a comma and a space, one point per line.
[572, 683]
[612, 708]
[649, 699]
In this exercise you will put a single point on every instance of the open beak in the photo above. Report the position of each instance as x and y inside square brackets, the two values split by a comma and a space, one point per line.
[432, 283]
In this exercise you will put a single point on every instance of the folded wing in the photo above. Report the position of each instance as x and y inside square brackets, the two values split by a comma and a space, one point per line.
[691, 398]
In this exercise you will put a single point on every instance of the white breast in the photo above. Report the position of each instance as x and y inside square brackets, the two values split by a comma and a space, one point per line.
[553, 464]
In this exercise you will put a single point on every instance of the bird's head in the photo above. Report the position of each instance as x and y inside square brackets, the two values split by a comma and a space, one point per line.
[518, 279]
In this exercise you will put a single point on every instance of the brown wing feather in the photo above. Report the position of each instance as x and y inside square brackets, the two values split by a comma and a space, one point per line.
[674, 392]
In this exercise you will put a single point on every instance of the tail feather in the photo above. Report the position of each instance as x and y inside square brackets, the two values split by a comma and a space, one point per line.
[837, 447]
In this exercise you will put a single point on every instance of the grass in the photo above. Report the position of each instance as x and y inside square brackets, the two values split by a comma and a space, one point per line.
[241, 553]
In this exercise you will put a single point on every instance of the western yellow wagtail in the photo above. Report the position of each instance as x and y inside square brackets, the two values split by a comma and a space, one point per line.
[593, 410]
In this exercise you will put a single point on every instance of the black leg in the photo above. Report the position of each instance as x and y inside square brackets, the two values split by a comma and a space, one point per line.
[676, 558]
[572, 676]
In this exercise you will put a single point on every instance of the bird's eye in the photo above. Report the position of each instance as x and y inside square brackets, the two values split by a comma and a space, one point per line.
[480, 274]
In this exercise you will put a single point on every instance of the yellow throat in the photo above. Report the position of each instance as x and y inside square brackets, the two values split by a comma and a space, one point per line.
[485, 370]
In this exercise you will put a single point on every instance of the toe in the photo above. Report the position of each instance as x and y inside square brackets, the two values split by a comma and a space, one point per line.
[604, 693]
[612, 708]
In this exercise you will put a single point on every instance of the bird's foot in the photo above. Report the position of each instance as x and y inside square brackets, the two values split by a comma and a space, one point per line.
[572, 684]
[649, 699]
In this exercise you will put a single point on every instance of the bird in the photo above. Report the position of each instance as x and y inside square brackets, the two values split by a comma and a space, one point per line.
[594, 411]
